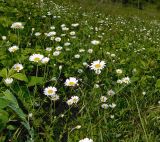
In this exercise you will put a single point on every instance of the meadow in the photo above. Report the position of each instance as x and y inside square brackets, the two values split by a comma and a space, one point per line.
[77, 73]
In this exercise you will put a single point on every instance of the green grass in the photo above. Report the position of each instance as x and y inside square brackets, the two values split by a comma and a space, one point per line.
[129, 40]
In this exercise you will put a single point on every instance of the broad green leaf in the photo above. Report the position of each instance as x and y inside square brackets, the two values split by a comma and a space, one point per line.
[10, 97]
[3, 119]
[3, 103]
[3, 73]
[36, 81]
[20, 76]
[13, 104]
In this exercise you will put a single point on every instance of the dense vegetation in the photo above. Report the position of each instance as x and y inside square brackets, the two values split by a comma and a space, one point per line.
[69, 73]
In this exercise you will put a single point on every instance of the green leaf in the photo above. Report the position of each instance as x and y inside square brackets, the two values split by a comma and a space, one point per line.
[3, 73]
[35, 81]
[9, 96]
[158, 83]
[20, 76]
[3, 103]
[3, 119]
[13, 104]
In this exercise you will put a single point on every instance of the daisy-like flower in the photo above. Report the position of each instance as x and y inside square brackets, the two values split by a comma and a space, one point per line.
[103, 99]
[119, 71]
[53, 33]
[48, 49]
[13, 48]
[90, 51]
[126, 80]
[86, 140]
[52, 27]
[67, 44]
[55, 97]
[36, 57]
[56, 53]
[77, 56]
[37, 34]
[59, 48]
[113, 105]
[72, 33]
[50, 91]
[97, 66]
[4, 37]
[8, 81]
[111, 93]
[70, 102]
[58, 39]
[95, 42]
[75, 25]
[72, 81]
[17, 67]
[75, 99]
[104, 106]
[45, 60]
[17, 25]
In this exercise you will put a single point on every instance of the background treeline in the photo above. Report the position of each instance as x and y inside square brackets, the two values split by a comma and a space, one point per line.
[136, 3]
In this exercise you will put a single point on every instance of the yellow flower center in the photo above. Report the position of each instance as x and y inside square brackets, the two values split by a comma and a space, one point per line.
[36, 59]
[50, 91]
[97, 66]
[17, 68]
[71, 83]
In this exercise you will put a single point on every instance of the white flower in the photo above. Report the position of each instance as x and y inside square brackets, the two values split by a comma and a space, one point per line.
[52, 27]
[96, 86]
[126, 80]
[13, 48]
[48, 49]
[50, 91]
[105, 106]
[103, 99]
[65, 29]
[77, 56]
[111, 93]
[78, 127]
[75, 99]
[90, 51]
[72, 81]
[55, 97]
[86, 140]
[72, 33]
[67, 44]
[60, 67]
[97, 66]
[45, 60]
[81, 50]
[75, 25]
[37, 34]
[144, 93]
[70, 102]
[59, 48]
[8, 81]
[58, 39]
[113, 105]
[119, 71]
[17, 67]
[30, 115]
[119, 81]
[51, 33]
[36, 57]
[113, 55]
[111, 116]
[63, 25]
[17, 25]
[56, 53]
[95, 42]
[4, 37]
